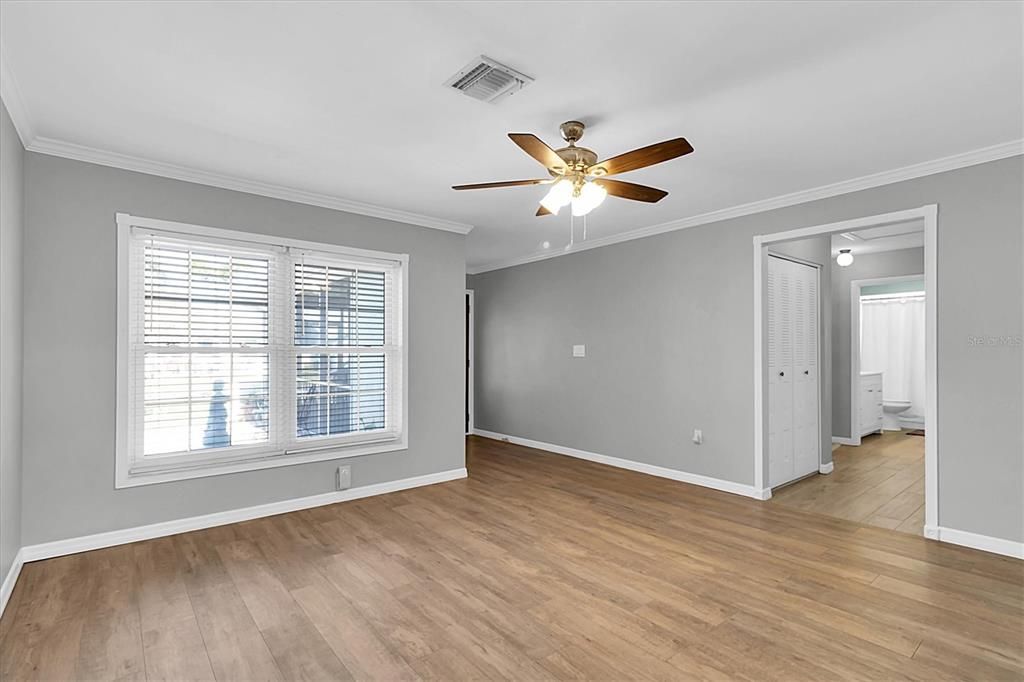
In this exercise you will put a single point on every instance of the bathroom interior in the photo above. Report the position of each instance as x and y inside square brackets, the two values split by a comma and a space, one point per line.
[873, 306]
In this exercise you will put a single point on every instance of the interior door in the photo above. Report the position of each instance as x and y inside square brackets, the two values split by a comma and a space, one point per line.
[780, 372]
[806, 441]
[793, 409]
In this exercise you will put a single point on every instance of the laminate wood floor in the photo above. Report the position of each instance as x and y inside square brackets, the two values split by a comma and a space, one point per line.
[536, 567]
[880, 483]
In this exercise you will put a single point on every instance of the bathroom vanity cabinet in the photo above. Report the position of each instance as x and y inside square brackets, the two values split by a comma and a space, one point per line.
[870, 403]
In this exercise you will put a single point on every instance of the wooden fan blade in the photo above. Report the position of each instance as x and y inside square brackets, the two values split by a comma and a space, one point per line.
[641, 158]
[507, 183]
[543, 211]
[535, 147]
[630, 190]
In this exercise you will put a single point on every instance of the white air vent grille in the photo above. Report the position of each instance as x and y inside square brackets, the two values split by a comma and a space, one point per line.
[487, 80]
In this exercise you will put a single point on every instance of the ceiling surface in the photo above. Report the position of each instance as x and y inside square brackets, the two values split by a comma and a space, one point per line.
[346, 99]
[893, 237]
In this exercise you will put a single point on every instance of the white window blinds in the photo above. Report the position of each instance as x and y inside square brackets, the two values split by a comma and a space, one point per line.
[346, 348]
[239, 351]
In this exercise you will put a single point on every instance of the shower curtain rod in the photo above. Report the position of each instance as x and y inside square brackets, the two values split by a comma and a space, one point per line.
[886, 297]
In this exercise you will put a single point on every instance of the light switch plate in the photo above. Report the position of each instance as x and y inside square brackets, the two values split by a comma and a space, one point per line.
[579, 351]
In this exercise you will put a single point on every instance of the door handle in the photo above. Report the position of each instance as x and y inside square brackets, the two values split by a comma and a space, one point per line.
[782, 374]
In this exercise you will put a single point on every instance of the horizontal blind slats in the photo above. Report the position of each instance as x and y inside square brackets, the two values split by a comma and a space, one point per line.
[216, 368]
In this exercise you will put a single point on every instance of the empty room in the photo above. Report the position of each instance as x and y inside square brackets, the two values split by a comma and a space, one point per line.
[511, 340]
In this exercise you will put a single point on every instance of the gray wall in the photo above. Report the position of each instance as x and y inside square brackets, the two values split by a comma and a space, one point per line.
[11, 238]
[68, 480]
[867, 266]
[667, 322]
[813, 250]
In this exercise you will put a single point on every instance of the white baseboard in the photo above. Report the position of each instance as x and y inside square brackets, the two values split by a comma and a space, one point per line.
[651, 469]
[985, 543]
[826, 468]
[12, 577]
[156, 530]
[844, 441]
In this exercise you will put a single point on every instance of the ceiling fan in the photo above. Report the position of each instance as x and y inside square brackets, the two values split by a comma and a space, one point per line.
[577, 176]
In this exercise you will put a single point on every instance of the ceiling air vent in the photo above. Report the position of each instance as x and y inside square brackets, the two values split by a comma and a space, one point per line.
[487, 80]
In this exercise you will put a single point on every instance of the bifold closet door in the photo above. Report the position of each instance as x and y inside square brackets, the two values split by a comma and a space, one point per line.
[793, 376]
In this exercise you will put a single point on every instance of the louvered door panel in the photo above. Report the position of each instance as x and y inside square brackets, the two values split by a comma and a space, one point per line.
[805, 373]
[792, 370]
[780, 386]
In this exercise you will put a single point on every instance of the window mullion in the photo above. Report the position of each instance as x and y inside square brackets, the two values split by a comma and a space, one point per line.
[189, 337]
[282, 323]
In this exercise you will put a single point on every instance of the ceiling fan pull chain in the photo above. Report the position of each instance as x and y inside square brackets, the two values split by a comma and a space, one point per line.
[572, 231]
[584, 227]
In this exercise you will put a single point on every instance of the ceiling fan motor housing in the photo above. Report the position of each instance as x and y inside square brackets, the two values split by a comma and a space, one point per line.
[576, 158]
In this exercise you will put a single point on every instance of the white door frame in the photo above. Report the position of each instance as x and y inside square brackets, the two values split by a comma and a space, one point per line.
[855, 321]
[470, 355]
[817, 343]
[929, 214]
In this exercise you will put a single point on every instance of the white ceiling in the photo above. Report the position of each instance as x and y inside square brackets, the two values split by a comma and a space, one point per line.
[346, 99]
[904, 235]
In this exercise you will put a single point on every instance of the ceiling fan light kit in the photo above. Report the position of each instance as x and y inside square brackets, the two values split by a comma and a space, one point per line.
[577, 176]
[587, 198]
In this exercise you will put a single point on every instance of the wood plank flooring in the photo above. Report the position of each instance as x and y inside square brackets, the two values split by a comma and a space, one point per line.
[536, 567]
[880, 483]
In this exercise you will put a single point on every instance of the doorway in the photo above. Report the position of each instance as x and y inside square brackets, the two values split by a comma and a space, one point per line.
[865, 417]
[928, 216]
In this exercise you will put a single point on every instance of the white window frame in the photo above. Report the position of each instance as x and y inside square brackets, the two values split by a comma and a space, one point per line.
[128, 470]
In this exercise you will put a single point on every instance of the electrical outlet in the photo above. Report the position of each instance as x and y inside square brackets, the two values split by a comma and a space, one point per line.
[579, 351]
[343, 478]
[698, 436]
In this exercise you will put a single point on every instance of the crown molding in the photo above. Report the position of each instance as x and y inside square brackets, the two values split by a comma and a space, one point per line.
[971, 158]
[77, 152]
[10, 93]
[12, 98]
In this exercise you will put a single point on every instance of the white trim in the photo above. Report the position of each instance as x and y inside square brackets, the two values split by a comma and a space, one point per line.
[267, 458]
[7, 589]
[826, 468]
[650, 469]
[929, 214]
[843, 441]
[157, 530]
[855, 322]
[126, 220]
[471, 356]
[12, 98]
[985, 543]
[931, 364]
[77, 152]
[971, 158]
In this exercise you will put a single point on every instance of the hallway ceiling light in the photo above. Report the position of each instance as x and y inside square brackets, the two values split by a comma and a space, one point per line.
[844, 258]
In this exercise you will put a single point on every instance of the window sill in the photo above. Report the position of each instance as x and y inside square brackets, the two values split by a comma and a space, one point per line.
[130, 479]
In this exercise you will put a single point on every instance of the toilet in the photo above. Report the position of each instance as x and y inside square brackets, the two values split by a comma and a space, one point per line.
[891, 410]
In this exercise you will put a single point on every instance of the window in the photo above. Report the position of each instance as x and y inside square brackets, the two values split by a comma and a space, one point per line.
[238, 351]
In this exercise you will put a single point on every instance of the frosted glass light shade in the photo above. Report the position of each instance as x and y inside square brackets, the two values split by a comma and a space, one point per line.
[558, 196]
[590, 197]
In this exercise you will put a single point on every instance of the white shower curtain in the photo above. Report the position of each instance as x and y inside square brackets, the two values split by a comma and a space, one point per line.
[892, 342]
